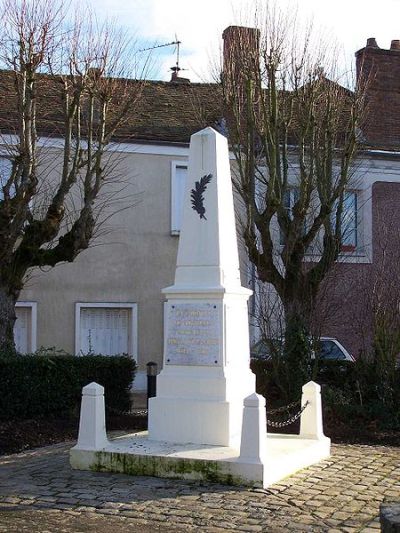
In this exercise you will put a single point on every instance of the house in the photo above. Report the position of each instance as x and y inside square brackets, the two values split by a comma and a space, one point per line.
[364, 282]
[100, 302]
[109, 300]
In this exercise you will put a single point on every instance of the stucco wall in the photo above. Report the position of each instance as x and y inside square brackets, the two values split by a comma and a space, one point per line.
[131, 262]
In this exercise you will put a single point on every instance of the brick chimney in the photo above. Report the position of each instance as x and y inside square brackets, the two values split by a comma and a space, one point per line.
[380, 70]
[240, 62]
[241, 54]
[175, 78]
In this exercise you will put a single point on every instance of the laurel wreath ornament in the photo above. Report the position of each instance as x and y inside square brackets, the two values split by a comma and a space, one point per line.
[197, 197]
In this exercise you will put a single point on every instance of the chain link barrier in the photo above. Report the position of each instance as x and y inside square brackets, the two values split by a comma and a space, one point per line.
[132, 412]
[271, 423]
[284, 408]
[290, 420]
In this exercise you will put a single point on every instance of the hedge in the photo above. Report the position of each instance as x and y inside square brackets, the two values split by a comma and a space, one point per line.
[350, 391]
[330, 373]
[35, 386]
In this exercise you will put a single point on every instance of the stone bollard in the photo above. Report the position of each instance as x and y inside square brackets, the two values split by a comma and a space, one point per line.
[311, 426]
[253, 444]
[390, 516]
[92, 423]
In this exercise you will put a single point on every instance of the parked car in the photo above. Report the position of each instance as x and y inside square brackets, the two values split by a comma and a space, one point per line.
[329, 349]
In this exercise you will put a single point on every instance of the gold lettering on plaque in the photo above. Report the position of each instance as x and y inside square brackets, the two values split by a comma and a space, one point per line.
[193, 334]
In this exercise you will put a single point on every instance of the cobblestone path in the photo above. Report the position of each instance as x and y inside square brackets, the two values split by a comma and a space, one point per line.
[40, 493]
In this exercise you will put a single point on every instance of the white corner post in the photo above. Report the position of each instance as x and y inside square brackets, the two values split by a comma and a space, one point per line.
[311, 425]
[253, 446]
[92, 423]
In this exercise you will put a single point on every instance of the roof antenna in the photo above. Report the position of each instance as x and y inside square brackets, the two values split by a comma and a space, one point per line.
[176, 68]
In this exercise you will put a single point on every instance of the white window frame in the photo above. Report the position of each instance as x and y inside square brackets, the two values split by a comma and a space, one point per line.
[345, 248]
[3, 158]
[33, 307]
[348, 248]
[175, 207]
[133, 341]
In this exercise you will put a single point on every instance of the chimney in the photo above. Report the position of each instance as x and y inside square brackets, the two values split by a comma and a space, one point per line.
[240, 62]
[241, 54]
[175, 78]
[379, 70]
[371, 43]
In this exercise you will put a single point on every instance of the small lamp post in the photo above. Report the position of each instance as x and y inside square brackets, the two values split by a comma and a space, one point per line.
[152, 370]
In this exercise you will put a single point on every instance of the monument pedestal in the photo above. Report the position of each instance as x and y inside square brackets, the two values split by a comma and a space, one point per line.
[138, 455]
[206, 374]
[261, 461]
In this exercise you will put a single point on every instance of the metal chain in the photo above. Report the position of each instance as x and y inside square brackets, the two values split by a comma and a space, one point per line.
[117, 411]
[284, 408]
[289, 420]
[270, 423]
[126, 413]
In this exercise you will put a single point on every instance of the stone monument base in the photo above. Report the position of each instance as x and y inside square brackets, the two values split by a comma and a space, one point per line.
[135, 454]
[261, 459]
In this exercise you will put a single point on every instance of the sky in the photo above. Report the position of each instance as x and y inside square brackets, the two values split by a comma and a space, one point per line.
[198, 24]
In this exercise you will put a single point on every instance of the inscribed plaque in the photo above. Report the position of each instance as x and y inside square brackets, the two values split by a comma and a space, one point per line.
[193, 334]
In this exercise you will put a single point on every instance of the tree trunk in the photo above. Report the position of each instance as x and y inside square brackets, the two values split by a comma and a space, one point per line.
[8, 299]
[297, 349]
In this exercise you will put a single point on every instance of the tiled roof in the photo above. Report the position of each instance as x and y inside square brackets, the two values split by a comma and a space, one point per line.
[165, 112]
[174, 111]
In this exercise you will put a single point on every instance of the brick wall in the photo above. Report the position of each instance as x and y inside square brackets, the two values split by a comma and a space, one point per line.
[351, 291]
[380, 70]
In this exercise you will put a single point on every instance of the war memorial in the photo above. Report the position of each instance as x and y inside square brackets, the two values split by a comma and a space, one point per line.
[206, 422]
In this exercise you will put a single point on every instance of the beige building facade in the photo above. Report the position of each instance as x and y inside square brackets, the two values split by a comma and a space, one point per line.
[109, 299]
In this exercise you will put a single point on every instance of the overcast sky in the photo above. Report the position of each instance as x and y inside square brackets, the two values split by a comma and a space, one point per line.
[199, 24]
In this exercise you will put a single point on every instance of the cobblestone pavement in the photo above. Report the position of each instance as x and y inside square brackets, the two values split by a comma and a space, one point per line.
[40, 493]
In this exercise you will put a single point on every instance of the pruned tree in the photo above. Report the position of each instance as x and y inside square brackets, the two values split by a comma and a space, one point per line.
[377, 323]
[293, 130]
[66, 80]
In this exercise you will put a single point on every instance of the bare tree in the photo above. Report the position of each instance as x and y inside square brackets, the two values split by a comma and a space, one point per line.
[294, 133]
[378, 322]
[62, 79]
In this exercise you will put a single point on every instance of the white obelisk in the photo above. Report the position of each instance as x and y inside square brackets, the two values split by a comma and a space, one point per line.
[206, 374]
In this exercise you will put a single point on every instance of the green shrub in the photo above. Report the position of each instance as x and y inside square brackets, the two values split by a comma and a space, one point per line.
[39, 385]
[268, 376]
[267, 380]
[350, 391]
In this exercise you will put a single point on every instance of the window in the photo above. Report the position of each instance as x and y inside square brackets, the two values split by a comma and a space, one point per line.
[330, 350]
[349, 221]
[178, 180]
[5, 172]
[25, 327]
[290, 197]
[106, 328]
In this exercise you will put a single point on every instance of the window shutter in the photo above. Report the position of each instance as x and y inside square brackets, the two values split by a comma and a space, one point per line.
[105, 331]
[22, 329]
[178, 180]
